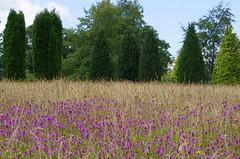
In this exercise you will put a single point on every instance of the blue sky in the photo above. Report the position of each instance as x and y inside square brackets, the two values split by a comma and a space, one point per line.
[166, 16]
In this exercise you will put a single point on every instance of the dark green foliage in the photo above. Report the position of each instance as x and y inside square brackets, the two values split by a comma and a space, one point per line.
[149, 63]
[211, 29]
[129, 57]
[76, 65]
[29, 58]
[191, 65]
[52, 55]
[29, 52]
[22, 46]
[58, 33]
[115, 20]
[1, 55]
[47, 45]
[101, 67]
[14, 46]
[227, 68]
[165, 57]
[69, 37]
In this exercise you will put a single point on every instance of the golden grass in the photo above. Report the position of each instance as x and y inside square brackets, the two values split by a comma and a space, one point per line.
[176, 95]
[172, 98]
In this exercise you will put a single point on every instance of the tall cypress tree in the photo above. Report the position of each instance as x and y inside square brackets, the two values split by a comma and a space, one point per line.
[14, 46]
[191, 65]
[58, 30]
[100, 66]
[47, 45]
[227, 68]
[149, 62]
[22, 45]
[129, 57]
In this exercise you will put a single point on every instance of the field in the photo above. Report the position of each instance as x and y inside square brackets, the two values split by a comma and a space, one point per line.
[65, 119]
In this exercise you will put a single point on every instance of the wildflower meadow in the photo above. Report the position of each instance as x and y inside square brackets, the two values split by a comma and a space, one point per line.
[66, 119]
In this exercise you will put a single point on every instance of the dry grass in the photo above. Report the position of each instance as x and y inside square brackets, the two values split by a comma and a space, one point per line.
[175, 94]
[135, 102]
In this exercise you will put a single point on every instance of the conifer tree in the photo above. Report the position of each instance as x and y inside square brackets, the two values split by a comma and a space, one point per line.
[129, 57]
[58, 30]
[100, 66]
[191, 65]
[227, 68]
[175, 68]
[14, 46]
[22, 45]
[149, 62]
[47, 45]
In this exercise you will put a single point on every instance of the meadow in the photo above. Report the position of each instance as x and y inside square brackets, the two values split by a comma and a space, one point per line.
[66, 119]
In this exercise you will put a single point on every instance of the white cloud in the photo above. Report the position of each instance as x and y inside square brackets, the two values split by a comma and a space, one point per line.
[29, 9]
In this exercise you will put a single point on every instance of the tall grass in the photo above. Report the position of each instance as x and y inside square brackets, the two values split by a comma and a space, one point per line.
[66, 119]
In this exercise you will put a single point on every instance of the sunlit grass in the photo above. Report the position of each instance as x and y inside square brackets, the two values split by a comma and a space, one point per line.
[65, 119]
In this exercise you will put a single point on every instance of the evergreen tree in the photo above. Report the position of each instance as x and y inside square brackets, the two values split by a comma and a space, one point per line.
[227, 68]
[47, 45]
[1, 55]
[149, 63]
[191, 65]
[100, 66]
[129, 57]
[58, 31]
[14, 46]
[211, 29]
[175, 68]
[22, 45]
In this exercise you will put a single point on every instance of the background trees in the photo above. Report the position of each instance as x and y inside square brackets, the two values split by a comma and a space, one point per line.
[47, 45]
[176, 66]
[29, 50]
[227, 68]
[101, 67]
[149, 63]
[1, 53]
[191, 65]
[211, 29]
[129, 56]
[14, 46]
[124, 21]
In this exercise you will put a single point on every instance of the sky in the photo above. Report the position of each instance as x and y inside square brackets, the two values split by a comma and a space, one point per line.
[166, 16]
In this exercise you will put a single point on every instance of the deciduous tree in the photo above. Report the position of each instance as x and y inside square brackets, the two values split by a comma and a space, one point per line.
[211, 29]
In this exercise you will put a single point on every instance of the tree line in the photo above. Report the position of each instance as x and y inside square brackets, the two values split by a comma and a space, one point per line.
[113, 42]
[46, 44]
[212, 54]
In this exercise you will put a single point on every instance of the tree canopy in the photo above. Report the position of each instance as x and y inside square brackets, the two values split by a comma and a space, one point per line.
[227, 68]
[47, 45]
[149, 63]
[210, 30]
[14, 46]
[129, 56]
[191, 65]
